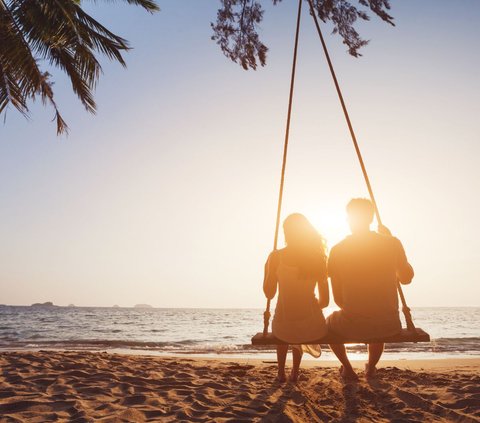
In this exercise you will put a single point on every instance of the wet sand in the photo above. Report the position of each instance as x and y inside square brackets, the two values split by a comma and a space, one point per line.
[82, 386]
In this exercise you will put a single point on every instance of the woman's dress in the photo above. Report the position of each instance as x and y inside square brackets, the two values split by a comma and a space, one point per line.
[298, 317]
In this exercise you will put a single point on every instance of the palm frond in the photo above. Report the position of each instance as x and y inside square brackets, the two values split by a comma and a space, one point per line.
[21, 78]
[62, 34]
[148, 5]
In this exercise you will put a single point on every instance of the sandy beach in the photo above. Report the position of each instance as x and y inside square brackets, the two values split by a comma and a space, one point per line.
[97, 386]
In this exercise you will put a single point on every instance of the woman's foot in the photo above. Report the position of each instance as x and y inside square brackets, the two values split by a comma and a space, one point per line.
[281, 376]
[348, 376]
[370, 371]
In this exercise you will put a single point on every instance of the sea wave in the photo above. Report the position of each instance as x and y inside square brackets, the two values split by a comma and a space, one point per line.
[468, 346]
[454, 331]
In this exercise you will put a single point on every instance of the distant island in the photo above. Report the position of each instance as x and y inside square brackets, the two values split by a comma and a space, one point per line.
[116, 306]
[142, 306]
[45, 304]
[71, 305]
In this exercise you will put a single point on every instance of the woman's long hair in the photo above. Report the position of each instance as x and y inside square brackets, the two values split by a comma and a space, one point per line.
[306, 242]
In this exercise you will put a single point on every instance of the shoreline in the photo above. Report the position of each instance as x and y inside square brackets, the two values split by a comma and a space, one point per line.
[326, 357]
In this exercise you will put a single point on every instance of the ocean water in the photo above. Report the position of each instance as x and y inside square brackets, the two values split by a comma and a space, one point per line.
[455, 332]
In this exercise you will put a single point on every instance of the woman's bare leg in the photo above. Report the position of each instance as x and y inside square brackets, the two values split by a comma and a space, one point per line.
[281, 359]
[297, 359]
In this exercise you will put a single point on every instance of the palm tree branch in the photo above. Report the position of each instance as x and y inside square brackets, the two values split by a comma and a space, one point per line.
[148, 5]
[21, 76]
[67, 37]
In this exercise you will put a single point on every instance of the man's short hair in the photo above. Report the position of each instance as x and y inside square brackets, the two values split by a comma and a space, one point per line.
[361, 208]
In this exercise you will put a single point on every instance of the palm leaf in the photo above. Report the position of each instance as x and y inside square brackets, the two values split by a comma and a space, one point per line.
[148, 5]
[60, 33]
[21, 78]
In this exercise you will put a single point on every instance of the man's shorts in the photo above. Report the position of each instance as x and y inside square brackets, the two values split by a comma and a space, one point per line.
[348, 326]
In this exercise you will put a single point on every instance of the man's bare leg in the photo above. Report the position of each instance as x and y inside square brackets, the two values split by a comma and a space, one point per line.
[297, 359]
[281, 359]
[375, 351]
[347, 373]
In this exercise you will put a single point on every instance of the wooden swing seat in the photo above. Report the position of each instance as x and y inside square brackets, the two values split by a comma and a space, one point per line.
[405, 335]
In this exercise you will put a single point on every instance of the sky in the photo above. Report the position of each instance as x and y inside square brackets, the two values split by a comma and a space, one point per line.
[168, 195]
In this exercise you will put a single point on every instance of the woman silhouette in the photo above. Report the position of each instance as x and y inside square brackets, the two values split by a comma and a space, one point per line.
[297, 269]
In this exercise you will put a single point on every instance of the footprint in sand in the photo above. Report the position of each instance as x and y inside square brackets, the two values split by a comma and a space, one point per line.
[134, 400]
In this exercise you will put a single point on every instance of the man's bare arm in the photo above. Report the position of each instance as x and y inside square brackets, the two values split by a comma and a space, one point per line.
[332, 269]
[405, 274]
[337, 291]
[323, 292]
[405, 271]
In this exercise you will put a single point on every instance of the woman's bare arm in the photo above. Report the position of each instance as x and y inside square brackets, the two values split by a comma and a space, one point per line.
[270, 278]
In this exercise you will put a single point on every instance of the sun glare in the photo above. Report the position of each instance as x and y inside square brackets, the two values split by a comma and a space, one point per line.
[330, 223]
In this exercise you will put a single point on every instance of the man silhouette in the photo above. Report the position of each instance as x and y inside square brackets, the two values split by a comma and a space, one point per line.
[364, 269]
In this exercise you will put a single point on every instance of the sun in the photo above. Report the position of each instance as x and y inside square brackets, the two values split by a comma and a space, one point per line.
[331, 223]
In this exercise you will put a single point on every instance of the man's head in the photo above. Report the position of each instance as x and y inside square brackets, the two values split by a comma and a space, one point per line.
[360, 213]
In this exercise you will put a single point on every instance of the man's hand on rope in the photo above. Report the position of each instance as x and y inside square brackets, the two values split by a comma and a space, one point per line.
[383, 230]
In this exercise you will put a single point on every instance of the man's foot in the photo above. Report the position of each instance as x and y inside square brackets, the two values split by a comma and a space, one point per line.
[281, 377]
[348, 376]
[370, 371]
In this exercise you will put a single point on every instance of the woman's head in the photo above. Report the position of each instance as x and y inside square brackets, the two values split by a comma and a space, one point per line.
[300, 233]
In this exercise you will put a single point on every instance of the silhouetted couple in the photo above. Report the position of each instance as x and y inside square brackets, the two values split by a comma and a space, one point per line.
[363, 269]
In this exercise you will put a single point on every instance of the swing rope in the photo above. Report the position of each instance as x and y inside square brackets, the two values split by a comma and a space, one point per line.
[405, 308]
[266, 314]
